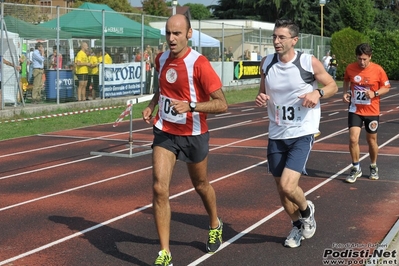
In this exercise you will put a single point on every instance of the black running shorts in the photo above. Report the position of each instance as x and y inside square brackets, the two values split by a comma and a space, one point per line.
[189, 149]
[370, 122]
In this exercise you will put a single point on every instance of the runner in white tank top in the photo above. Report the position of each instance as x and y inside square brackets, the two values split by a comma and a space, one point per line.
[290, 91]
[288, 118]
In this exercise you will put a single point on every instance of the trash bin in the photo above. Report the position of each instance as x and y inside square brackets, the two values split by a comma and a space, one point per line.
[66, 85]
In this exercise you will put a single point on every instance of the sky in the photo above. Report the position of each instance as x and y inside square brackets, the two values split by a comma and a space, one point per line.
[181, 2]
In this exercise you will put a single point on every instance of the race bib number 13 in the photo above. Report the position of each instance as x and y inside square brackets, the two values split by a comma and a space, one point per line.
[166, 112]
[289, 115]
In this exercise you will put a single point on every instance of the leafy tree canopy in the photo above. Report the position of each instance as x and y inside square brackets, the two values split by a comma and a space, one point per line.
[199, 11]
[156, 8]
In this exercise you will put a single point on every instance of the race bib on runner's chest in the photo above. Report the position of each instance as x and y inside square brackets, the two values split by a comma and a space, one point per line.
[360, 95]
[166, 112]
[289, 115]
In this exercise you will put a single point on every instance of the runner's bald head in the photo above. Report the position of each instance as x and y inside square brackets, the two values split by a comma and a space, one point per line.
[180, 17]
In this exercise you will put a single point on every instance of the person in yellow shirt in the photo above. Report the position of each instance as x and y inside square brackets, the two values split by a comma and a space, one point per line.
[90, 54]
[94, 72]
[82, 70]
[107, 58]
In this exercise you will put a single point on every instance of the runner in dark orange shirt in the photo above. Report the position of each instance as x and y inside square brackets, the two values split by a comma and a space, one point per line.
[364, 83]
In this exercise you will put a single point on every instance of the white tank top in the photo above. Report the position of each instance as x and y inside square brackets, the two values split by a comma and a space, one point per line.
[285, 82]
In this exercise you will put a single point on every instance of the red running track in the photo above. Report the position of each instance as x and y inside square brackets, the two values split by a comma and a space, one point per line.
[61, 205]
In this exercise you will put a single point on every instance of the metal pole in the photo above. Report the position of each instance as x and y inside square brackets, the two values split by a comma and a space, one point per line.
[103, 55]
[143, 68]
[199, 37]
[243, 42]
[223, 55]
[58, 54]
[260, 42]
[2, 55]
[174, 4]
[131, 130]
[322, 26]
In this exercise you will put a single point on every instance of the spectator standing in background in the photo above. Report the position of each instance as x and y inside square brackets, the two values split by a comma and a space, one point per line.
[326, 60]
[38, 70]
[55, 59]
[82, 65]
[229, 54]
[332, 70]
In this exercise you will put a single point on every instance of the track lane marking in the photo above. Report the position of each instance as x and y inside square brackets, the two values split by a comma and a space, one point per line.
[268, 217]
[206, 256]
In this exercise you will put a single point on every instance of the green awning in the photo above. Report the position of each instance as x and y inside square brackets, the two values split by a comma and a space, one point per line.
[86, 22]
[28, 30]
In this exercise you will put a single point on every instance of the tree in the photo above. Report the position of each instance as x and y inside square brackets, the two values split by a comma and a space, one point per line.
[199, 11]
[358, 14]
[385, 20]
[156, 8]
[235, 9]
[26, 12]
[343, 44]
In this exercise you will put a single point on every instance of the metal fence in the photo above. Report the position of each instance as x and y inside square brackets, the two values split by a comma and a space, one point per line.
[127, 38]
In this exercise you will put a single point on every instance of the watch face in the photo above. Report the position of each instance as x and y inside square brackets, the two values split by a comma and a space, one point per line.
[321, 92]
[192, 105]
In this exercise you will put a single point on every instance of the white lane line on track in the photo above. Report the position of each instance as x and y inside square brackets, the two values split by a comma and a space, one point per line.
[57, 145]
[78, 137]
[98, 138]
[74, 188]
[145, 207]
[247, 110]
[104, 180]
[96, 156]
[224, 114]
[61, 240]
[204, 257]
[262, 221]
[58, 165]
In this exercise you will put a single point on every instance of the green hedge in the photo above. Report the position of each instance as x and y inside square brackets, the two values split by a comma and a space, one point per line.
[384, 44]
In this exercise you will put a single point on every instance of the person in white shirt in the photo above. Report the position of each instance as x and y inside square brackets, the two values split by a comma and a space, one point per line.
[29, 65]
[289, 89]
[326, 61]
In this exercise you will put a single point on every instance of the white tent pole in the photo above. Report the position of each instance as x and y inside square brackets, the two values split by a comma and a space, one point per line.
[199, 37]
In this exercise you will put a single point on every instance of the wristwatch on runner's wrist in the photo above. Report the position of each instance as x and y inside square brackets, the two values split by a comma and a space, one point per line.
[376, 94]
[193, 105]
[321, 92]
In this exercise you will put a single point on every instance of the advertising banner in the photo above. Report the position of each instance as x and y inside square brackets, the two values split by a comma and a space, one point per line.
[246, 70]
[121, 79]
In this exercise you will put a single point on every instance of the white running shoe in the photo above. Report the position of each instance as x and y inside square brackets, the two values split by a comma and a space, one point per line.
[294, 238]
[353, 175]
[374, 172]
[309, 223]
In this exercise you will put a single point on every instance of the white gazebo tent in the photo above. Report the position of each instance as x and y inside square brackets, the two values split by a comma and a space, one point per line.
[200, 39]
[11, 45]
